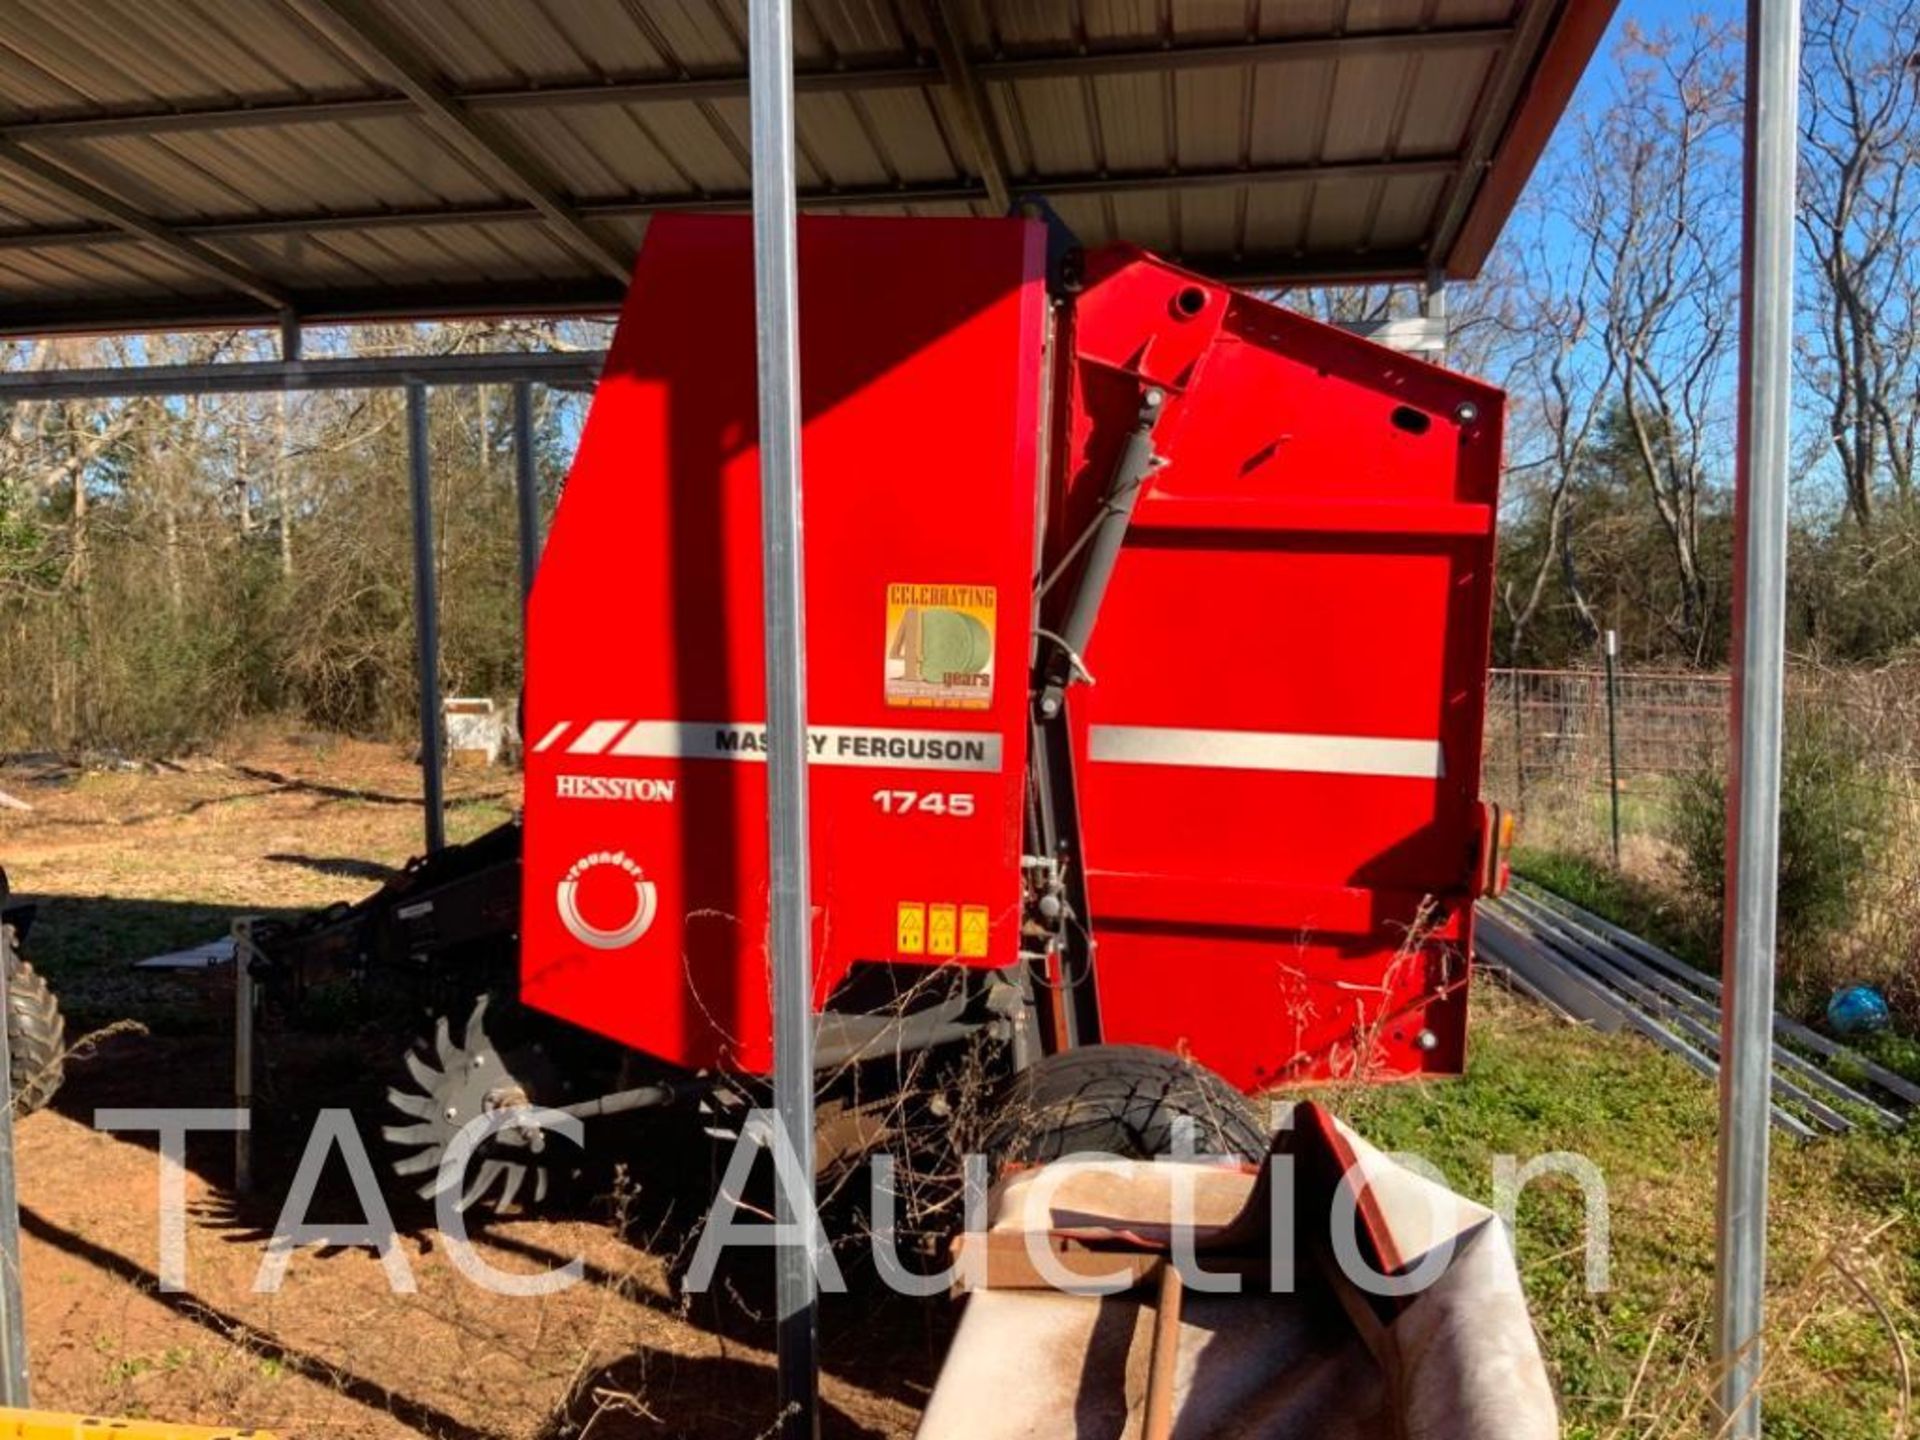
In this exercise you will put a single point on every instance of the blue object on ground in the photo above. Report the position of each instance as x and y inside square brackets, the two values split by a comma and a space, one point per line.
[1857, 1010]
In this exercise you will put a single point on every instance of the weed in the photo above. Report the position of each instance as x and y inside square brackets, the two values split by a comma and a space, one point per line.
[1833, 820]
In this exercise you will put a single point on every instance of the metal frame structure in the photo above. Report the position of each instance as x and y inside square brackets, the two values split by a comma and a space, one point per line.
[1759, 674]
[426, 614]
[853, 77]
[1482, 181]
[563, 370]
[986, 99]
[415, 374]
[15, 1381]
[776, 269]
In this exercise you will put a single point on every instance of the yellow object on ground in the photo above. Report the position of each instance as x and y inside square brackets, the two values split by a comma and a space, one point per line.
[46, 1425]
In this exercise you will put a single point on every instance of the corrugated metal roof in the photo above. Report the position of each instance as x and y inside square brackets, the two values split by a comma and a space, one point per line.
[215, 160]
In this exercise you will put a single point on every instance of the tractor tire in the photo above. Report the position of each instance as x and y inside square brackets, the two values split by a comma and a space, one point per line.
[36, 1038]
[1121, 1100]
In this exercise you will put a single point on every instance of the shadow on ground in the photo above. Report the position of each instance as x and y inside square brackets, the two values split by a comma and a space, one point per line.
[427, 1419]
[881, 1344]
[346, 867]
[86, 946]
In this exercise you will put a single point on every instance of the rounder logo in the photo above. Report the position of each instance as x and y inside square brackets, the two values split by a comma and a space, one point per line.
[645, 902]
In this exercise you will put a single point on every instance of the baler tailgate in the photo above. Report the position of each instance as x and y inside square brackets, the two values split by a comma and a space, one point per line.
[1278, 765]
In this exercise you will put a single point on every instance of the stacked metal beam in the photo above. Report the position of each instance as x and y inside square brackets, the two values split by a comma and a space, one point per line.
[1586, 969]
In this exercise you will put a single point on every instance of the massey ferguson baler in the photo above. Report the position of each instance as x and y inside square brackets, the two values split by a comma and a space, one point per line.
[1147, 630]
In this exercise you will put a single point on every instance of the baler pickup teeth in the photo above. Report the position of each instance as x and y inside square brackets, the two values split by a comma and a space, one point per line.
[416, 1164]
[443, 1045]
[515, 1176]
[408, 1103]
[490, 1171]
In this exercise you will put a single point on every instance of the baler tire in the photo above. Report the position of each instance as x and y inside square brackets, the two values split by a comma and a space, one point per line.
[1121, 1100]
[36, 1038]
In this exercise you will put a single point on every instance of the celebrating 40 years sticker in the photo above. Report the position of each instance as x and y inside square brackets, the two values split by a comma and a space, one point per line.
[940, 646]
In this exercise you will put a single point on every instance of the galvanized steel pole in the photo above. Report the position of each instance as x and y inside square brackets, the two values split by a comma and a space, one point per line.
[777, 303]
[526, 487]
[426, 616]
[14, 1390]
[1759, 648]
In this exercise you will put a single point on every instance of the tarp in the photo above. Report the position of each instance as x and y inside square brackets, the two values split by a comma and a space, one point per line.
[1456, 1357]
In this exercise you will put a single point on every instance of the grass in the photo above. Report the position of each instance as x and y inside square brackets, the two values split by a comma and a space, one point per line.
[1627, 899]
[1632, 1361]
[1845, 1232]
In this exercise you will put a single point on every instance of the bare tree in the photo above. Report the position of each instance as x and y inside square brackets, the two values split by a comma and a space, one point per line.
[1559, 378]
[1662, 186]
[1860, 216]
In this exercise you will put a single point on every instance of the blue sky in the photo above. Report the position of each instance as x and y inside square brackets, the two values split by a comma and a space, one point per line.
[1649, 15]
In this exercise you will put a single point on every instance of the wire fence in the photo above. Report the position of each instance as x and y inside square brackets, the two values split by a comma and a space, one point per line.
[1561, 757]
[1552, 728]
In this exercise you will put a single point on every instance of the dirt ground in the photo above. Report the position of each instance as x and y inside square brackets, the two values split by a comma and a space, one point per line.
[127, 863]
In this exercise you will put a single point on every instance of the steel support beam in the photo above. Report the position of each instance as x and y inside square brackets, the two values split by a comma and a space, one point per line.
[970, 104]
[426, 618]
[269, 111]
[128, 220]
[593, 295]
[428, 300]
[360, 32]
[961, 192]
[1759, 673]
[587, 295]
[243, 377]
[246, 1014]
[1497, 102]
[14, 1382]
[526, 487]
[790, 937]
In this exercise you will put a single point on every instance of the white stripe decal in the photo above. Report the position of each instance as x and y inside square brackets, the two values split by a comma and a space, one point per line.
[830, 745]
[596, 737]
[553, 735]
[1266, 750]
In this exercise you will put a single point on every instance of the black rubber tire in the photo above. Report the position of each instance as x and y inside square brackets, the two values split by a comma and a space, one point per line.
[36, 1037]
[1121, 1100]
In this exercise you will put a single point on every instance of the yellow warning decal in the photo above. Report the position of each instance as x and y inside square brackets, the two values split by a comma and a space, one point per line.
[910, 929]
[973, 931]
[940, 646]
[942, 925]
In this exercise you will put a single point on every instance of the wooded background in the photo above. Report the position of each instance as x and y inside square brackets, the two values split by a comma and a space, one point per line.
[169, 568]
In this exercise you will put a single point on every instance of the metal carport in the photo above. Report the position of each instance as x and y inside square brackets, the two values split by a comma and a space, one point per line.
[293, 162]
[234, 161]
